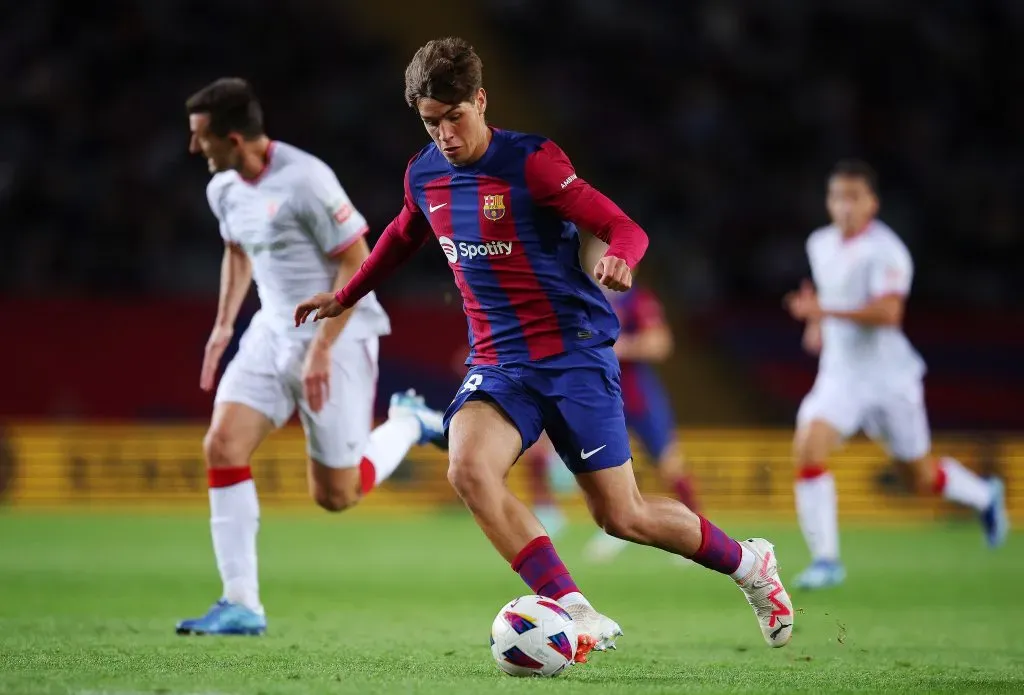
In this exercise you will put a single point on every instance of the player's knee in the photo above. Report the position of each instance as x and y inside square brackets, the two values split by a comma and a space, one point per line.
[624, 523]
[621, 520]
[468, 476]
[221, 451]
[813, 443]
[335, 498]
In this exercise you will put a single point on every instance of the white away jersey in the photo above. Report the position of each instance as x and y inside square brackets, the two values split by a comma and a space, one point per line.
[849, 273]
[292, 221]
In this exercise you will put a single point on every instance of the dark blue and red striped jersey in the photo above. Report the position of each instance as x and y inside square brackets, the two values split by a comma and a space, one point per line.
[508, 226]
[638, 310]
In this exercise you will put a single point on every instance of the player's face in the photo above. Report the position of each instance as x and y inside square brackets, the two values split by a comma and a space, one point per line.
[221, 154]
[458, 130]
[850, 202]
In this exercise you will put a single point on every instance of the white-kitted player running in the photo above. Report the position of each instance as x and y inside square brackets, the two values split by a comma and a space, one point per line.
[287, 224]
[869, 375]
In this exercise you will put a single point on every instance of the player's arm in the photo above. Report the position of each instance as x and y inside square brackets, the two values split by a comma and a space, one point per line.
[316, 385]
[890, 273]
[340, 231]
[553, 183]
[349, 262]
[653, 342]
[886, 310]
[812, 337]
[401, 239]
[235, 278]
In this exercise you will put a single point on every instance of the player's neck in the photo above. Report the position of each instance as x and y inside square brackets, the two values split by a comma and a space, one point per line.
[255, 158]
[854, 232]
[482, 149]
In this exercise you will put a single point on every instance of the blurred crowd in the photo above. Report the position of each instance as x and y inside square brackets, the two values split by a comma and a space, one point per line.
[713, 123]
[98, 192]
[717, 122]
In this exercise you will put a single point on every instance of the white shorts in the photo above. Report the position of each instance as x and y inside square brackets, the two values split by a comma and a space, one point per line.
[266, 375]
[893, 416]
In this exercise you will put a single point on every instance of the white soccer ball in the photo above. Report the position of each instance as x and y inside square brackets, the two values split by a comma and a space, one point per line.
[533, 636]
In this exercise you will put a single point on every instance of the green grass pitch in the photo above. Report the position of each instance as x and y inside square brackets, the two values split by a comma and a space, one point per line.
[371, 603]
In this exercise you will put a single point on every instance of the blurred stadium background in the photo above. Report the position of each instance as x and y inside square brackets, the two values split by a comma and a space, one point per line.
[712, 123]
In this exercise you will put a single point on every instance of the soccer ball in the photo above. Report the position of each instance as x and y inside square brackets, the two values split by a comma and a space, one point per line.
[533, 636]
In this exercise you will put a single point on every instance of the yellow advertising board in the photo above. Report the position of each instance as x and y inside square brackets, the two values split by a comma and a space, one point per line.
[737, 471]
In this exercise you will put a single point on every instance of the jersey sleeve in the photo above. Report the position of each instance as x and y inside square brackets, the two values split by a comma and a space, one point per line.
[891, 271]
[329, 214]
[214, 195]
[553, 183]
[401, 239]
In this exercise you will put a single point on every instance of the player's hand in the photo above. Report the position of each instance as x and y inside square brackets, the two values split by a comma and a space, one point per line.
[812, 338]
[803, 304]
[218, 342]
[613, 273]
[322, 306]
[316, 375]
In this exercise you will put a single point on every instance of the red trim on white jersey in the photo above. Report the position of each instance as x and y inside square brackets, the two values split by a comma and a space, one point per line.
[266, 165]
[347, 244]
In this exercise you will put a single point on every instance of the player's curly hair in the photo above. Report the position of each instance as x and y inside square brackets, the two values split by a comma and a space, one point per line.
[448, 70]
[232, 106]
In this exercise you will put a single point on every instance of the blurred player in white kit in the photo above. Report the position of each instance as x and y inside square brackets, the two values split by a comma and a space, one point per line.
[869, 375]
[288, 224]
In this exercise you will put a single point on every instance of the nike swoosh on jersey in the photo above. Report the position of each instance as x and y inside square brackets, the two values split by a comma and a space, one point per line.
[437, 207]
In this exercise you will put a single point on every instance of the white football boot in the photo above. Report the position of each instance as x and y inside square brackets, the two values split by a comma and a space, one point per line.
[595, 631]
[766, 595]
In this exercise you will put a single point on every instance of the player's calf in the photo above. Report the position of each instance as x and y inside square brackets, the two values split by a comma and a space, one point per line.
[816, 503]
[334, 489]
[617, 505]
[814, 442]
[955, 482]
[624, 517]
[672, 471]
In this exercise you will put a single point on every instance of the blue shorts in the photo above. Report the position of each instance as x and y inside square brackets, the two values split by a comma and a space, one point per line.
[575, 397]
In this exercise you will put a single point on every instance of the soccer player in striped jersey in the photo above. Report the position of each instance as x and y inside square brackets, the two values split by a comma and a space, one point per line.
[505, 209]
[286, 223]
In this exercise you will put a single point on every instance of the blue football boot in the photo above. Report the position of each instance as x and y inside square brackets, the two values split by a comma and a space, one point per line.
[225, 618]
[821, 575]
[995, 520]
[431, 421]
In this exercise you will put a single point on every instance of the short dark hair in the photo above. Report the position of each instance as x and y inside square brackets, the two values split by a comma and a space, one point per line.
[856, 169]
[448, 70]
[232, 106]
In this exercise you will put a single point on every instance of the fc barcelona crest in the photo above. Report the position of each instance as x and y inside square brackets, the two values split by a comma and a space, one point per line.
[494, 207]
